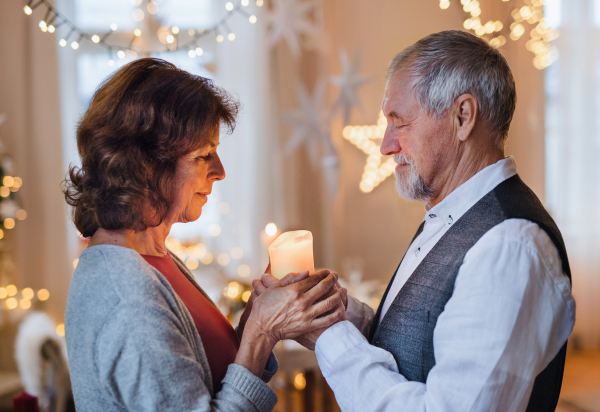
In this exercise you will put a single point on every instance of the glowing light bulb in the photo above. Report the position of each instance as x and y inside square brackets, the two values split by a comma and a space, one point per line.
[229, 6]
[60, 329]
[27, 10]
[259, 3]
[244, 271]
[175, 30]
[199, 51]
[300, 381]
[11, 303]
[21, 214]
[27, 293]
[170, 39]
[96, 38]
[11, 290]
[9, 223]
[62, 43]
[246, 295]
[75, 45]
[43, 294]
[51, 28]
[271, 229]
[220, 38]
[113, 27]
[214, 230]
[231, 37]
[25, 304]
[245, 3]
[192, 53]
[137, 32]
[121, 54]
[252, 19]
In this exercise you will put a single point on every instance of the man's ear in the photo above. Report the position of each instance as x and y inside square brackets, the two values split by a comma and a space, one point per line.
[465, 115]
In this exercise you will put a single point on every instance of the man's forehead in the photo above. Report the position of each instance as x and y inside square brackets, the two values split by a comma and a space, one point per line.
[399, 94]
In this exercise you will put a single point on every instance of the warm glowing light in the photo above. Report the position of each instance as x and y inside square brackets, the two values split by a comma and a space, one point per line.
[152, 8]
[27, 10]
[192, 53]
[199, 51]
[271, 229]
[138, 15]
[43, 26]
[246, 295]
[3, 293]
[299, 381]
[11, 290]
[259, 3]
[191, 32]
[113, 27]
[51, 28]
[192, 264]
[444, 4]
[231, 37]
[43, 294]
[229, 6]
[25, 304]
[27, 293]
[223, 259]
[170, 39]
[96, 38]
[17, 182]
[245, 3]
[62, 43]
[207, 259]
[75, 45]
[175, 30]
[9, 223]
[137, 32]
[252, 19]
[8, 181]
[121, 54]
[233, 290]
[11, 303]
[220, 38]
[237, 253]
[4, 191]
[60, 329]
[244, 271]
[214, 230]
[75, 263]
[1, 233]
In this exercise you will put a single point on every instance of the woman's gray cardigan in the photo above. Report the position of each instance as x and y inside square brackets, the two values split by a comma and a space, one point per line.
[133, 346]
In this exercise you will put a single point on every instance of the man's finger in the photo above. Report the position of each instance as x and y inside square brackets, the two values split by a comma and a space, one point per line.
[292, 278]
[267, 279]
[258, 286]
[325, 321]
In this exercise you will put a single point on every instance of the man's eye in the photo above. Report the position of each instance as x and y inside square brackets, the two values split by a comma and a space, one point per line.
[400, 127]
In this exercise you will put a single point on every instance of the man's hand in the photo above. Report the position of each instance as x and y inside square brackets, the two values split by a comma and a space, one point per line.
[309, 339]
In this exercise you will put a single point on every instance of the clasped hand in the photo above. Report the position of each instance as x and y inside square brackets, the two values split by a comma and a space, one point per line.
[298, 306]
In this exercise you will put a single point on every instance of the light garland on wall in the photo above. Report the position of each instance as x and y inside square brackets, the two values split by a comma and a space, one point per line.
[53, 19]
[531, 12]
[376, 170]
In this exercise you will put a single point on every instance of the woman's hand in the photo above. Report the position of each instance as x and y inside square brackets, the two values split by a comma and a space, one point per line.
[287, 310]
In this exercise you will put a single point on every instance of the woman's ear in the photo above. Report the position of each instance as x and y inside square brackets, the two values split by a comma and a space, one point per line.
[466, 109]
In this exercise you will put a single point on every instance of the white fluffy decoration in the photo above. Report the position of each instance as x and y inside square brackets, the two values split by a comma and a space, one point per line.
[36, 329]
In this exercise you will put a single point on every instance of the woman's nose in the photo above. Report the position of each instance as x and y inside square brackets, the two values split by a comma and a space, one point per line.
[217, 171]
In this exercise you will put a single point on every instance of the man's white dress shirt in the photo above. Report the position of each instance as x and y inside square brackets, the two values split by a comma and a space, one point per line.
[510, 313]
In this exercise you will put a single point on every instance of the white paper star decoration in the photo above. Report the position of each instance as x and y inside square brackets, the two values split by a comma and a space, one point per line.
[289, 19]
[310, 123]
[368, 139]
[349, 81]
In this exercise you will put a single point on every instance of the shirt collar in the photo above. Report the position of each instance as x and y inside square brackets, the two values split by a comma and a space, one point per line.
[466, 195]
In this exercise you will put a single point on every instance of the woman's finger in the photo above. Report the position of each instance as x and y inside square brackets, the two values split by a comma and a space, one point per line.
[292, 278]
[326, 321]
[327, 305]
[311, 281]
[321, 288]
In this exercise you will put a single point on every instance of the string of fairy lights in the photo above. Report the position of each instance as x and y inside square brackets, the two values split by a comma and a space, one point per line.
[530, 14]
[169, 36]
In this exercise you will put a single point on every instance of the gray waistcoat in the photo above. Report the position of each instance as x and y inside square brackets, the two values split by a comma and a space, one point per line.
[406, 330]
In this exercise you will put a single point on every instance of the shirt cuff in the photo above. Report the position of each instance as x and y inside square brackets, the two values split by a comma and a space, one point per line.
[334, 342]
[270, 369]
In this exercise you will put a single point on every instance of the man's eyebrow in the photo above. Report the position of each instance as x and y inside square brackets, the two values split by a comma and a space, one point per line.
[395, 115]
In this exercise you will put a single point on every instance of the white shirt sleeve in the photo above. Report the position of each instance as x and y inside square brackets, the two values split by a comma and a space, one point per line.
[360, 315]
[510, 313]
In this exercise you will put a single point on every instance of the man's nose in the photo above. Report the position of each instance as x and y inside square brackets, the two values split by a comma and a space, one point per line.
[390, 144]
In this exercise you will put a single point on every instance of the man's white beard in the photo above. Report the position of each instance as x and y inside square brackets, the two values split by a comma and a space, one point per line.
[413, 187]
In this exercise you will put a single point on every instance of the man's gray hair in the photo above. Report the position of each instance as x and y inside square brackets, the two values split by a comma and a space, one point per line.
[451, 63]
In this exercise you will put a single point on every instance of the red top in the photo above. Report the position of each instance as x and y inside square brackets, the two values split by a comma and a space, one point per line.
[219, 339]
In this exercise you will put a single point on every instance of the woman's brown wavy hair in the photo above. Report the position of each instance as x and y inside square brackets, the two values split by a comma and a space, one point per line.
[141, 120]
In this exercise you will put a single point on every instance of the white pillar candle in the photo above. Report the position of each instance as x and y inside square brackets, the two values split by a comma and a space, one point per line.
[292, 252]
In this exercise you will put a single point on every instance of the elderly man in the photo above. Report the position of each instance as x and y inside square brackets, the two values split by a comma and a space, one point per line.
[477, 315]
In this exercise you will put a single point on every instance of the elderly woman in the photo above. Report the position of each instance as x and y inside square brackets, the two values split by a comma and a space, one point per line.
[141, 333]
